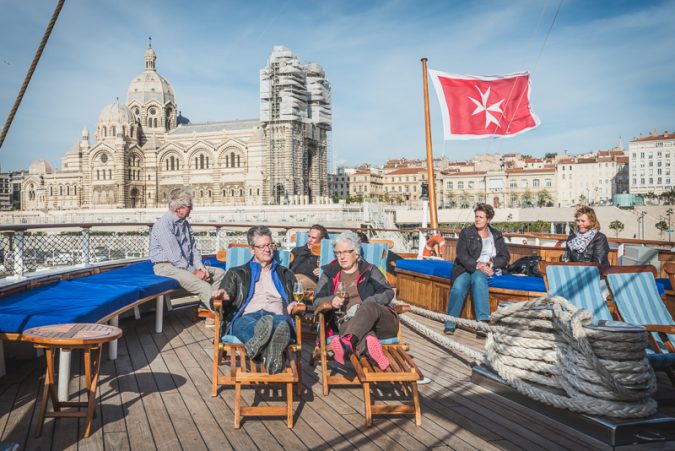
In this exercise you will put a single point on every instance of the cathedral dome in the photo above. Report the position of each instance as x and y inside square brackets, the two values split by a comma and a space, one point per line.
[40, 167]
[116, 113]
[149, 85]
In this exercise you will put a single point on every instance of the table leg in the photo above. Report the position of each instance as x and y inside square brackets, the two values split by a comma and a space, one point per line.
[64, 374]
[47, 391]
[112, 349]
[91, 370]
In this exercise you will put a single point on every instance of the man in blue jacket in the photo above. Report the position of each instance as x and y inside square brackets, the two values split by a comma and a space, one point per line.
[260, 295]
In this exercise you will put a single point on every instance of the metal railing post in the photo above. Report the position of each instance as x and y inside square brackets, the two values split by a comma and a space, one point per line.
[218, 247]
[19, 244]
[86, 253]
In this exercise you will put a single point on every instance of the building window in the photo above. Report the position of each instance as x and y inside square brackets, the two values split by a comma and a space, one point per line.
[460, 185]
[535, 183]
[514, 184]
[449, 185]
[471, 184]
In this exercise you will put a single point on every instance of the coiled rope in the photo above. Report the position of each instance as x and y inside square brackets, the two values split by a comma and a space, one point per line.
[545, 350]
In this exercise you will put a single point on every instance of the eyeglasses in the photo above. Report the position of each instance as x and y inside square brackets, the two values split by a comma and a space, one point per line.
[270, 246]
[343, 253]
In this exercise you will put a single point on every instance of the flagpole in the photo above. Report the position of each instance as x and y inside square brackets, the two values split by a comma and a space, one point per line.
[433, 213]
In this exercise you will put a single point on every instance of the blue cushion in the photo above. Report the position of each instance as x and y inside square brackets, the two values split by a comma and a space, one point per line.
[384, 341]
[212, 261]
[231, 340]
[509, 282]
[63, 302]
[139, 276]
[438, 268]
[663, 285]
[660, 361]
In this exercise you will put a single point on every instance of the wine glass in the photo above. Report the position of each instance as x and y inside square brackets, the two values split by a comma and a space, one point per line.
[298, 291]
[341, 291]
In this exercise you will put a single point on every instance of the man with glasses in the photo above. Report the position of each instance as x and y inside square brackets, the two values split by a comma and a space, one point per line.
[174, 253]
[260, 295]
[305, 265]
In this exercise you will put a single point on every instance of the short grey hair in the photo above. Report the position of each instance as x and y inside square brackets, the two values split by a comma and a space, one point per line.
[180, 197]
[349, 237]
[257, 231]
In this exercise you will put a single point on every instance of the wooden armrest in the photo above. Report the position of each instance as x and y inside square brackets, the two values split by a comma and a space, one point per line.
[669, 268]
[221, 255]
[402, 308]
[217, 304]
[299, 309]
[323, 308]
[659, 328]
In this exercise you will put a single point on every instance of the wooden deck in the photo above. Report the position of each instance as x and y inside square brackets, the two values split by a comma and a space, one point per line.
[156, 395]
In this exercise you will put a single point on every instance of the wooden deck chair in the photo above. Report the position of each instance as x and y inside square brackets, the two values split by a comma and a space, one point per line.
[579, 283]
[376, 254]
[243, 371]
[637, 298]
[402, 371]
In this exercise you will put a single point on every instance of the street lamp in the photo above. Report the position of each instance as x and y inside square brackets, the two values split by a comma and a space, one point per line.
[669, 212]
[641, 221]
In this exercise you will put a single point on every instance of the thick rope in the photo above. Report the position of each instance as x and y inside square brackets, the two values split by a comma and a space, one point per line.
[545, 350]
[31, 69]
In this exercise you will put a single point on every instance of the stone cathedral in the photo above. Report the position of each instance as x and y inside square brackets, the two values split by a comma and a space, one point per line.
[143, 148]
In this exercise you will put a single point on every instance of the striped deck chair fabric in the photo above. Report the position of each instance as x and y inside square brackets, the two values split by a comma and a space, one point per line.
[237, 256]
[376, 254]
[581, 286]
[637, 298]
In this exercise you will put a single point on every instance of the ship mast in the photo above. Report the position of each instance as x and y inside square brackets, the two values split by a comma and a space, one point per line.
[433, 212]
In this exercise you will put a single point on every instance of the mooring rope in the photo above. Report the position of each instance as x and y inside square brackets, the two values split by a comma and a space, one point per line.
[545, 349]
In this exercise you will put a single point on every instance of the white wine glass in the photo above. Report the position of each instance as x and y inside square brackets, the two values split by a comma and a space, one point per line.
[298, 291]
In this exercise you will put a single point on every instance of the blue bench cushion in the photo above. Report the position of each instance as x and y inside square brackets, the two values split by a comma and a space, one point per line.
[63, 302]
[212, 261]
[438, 268]
[139, 276]
[384, 341]
[510, 282]
[663, 285]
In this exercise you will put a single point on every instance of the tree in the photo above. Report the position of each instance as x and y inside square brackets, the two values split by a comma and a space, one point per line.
[527, 197]
[668, 197]
[662, 226]
[651, 196]
[544, 198]
[550, 155]
[582, 200]
[617, 226]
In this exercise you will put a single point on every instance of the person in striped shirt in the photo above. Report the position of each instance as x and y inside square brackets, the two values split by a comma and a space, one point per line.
[174, 253]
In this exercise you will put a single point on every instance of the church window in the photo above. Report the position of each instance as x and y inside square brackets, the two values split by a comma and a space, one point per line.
[227, 161]
[258, 192]
[201, 193]
[250, 192]
[67, 190]
[60, 190]
[155, 122]
[232, 192]
[152, 111]
[110, 174]
[241, 192]
[103, 131]
[201, 161]
[98, 174]
[232, 158]
[112, 131]
[207, 162]
[74, 190]
[167, 164]
[130, 161]
[104, 158]
[131, 131]
[224, 193]
[238, 162]
[124, 130]
[129, 174]
[137, 111]
[209, 193]
[51, 190]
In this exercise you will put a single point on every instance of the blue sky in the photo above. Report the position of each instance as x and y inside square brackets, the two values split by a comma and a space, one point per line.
[607, 69]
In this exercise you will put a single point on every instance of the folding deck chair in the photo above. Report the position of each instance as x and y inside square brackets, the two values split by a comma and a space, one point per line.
[637, 297]
[402, 371]
[244, 372]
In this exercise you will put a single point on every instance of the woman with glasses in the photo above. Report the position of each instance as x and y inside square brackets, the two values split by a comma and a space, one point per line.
[359, 295]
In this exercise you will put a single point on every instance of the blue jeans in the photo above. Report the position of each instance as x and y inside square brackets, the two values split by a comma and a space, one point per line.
[244, 326]
[478, 282]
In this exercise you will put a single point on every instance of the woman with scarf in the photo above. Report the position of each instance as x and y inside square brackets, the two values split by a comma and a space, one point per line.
[587, 243]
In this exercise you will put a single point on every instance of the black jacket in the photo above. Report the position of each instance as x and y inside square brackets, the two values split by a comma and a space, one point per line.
[371, 284]
[304, 262]
[469, 247]
[596, 251]
[239, 282]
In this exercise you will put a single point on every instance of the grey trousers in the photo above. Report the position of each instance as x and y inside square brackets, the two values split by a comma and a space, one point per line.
[370, 319]
[192, 283]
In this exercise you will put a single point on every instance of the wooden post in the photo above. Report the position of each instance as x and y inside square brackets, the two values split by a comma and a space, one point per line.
[433, 212]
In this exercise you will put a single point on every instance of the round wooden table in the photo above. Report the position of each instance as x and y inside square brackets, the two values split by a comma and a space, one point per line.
[89, 338]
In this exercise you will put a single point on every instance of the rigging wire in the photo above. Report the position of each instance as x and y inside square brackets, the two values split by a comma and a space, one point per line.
[31, 69]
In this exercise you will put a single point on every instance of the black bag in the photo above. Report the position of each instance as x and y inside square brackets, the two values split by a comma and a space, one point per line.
[528, 266]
